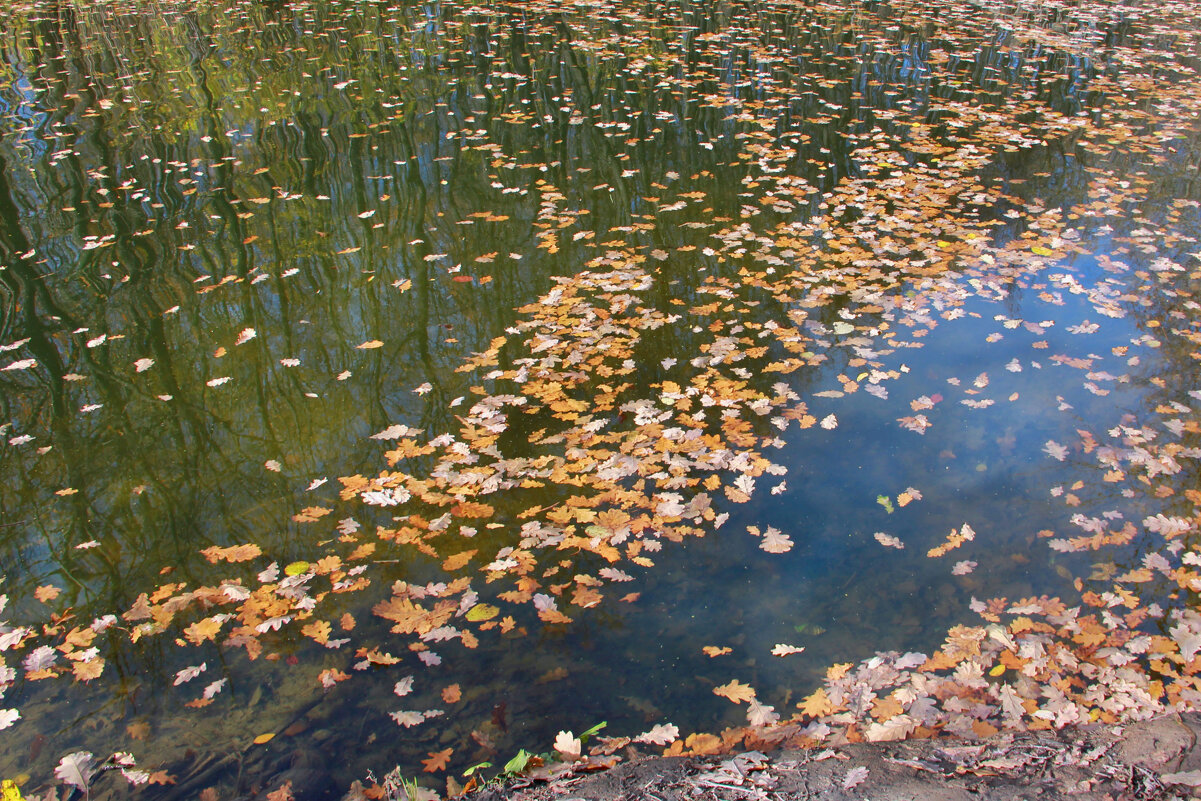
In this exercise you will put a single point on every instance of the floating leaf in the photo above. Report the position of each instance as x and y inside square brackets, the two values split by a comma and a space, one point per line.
[482, 612]
[76, 769]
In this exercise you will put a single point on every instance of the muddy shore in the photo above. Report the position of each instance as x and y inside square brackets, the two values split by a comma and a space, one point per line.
[1156, 759]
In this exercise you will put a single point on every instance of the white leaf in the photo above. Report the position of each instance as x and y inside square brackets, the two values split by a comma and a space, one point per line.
[76, 769]
[1055, 450]
[785, 650]
[661, 734]
[395, 432]
[829, 422]
[855, 776]
[775, 542]
[407, 717]
[8, 717]
[568, 745]
[888, 541]
[758, 714]
[23, 364]
[246, 335]
[189, 673]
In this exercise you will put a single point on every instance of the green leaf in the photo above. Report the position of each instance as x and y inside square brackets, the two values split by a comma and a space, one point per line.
[479, 766]
[585, 735]
[886, 502]
[517, 764]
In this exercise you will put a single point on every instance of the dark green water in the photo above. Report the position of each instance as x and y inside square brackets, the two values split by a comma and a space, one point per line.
[333, 174]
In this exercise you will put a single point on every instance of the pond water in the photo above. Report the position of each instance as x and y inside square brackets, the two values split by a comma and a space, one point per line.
[652, 327]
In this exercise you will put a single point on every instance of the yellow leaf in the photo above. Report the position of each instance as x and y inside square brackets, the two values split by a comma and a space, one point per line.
[482, 612]
[997, 670]
[262, 738]
[296, 568]
[9, 791]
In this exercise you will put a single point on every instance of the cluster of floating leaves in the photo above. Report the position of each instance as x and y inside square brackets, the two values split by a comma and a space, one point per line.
[626, 458]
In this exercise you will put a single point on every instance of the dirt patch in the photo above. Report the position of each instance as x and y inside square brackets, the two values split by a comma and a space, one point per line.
[1157, 759]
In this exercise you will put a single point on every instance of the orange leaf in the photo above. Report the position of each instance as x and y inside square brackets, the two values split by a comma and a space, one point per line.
[452, 694]
[735, 691]
[458, 560]
[437, 760]
[817, 704]
[202, 630]
[86, 671]
[234, 553]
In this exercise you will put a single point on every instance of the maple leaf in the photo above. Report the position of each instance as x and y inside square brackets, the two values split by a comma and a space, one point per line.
[437, 760]
[735, 691]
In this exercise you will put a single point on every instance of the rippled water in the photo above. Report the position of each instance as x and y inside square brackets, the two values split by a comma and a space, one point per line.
[241, 238]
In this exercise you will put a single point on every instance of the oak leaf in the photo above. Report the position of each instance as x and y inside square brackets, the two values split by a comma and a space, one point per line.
[437, 760]
[735, 691]
[816, 705]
